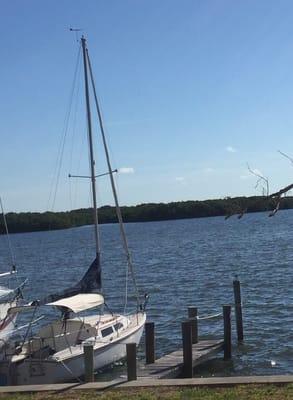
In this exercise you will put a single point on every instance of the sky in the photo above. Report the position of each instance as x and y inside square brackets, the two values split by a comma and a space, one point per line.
[191, 92]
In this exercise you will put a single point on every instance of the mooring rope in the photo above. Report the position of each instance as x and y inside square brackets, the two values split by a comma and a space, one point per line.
[209, 316]
[69, 370]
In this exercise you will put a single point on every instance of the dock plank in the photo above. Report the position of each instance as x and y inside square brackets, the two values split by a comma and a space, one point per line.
[170, 365]
[228, 381]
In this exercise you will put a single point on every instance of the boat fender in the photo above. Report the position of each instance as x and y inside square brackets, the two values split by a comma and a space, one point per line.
[146, 299]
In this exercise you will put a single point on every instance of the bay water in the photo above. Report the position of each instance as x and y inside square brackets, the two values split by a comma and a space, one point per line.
[182, 263]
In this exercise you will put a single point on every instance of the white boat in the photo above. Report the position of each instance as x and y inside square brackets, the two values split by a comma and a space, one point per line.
[10, 295]
[55, 353]
[7, 322]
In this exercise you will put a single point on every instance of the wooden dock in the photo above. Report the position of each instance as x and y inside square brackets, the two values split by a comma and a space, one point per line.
[181, 362]
[151, 383]
[171, 365]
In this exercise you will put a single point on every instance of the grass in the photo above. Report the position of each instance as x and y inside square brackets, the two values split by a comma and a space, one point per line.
[242, 392]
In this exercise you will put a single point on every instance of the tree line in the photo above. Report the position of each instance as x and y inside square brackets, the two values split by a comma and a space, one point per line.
[32, 221]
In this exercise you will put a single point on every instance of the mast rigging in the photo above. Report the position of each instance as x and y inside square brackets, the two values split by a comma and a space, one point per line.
[91, 150]
[110, 171]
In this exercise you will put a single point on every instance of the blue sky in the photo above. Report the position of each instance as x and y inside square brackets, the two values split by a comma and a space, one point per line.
[191, 91]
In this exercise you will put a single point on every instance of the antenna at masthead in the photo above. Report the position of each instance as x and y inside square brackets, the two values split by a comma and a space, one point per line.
[76, 30]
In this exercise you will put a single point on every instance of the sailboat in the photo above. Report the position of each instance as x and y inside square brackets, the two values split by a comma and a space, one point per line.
[11, 294]
[55, 353]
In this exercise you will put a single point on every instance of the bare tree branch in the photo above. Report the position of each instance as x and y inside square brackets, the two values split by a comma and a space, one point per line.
[273, 199]
[272, 213]
[282, 191]
[242, 213]
[234, 209]
[261, 178]
[285, 155]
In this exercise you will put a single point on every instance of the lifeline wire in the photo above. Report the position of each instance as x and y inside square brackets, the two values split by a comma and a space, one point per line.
[62, 142]
[58, 163]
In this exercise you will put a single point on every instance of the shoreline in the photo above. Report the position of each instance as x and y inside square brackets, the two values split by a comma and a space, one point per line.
[151, 212]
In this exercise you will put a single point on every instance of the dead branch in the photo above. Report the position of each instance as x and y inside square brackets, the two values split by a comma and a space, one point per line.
[282, 191]
[234, 210]
[242, 213]
[261, 178]
[272, 213]
[275, 197]
[285, 155]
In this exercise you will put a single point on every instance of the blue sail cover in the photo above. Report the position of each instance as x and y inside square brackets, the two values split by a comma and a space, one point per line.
[91, 282]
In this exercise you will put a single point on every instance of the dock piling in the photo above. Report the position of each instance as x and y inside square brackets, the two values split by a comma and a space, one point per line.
[88, 352]
[227, 332]
[131, 361]
[149, 342]
[238, 310]
[192, 315]
[187, 349]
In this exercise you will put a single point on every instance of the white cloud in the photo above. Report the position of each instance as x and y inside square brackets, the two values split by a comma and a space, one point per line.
[126, 170]
[231, 149]
[179, 179]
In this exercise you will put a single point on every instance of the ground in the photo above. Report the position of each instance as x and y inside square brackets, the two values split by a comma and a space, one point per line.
[247, 392]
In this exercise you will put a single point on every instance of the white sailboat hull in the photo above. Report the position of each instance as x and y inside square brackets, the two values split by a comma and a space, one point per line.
[33, 371]
[7, 327]
[7, 322]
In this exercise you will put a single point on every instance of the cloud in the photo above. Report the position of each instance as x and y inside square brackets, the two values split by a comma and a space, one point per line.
[126, 170]
[231, 149]
[179, 179]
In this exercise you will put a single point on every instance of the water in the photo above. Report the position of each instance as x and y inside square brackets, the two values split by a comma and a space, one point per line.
[181, 263]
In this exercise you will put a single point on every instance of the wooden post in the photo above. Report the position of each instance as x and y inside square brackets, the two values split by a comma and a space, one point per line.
[88, 354]
[149, 342]
[131, 361]
[192, 315]
[238, 310]
[227, 332]
[187, 349]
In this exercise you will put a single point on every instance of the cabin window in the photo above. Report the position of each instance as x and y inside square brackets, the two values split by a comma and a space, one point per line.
[118, 326]
[107, 331]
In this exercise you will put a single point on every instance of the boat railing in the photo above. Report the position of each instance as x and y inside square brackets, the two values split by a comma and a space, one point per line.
[34, 344]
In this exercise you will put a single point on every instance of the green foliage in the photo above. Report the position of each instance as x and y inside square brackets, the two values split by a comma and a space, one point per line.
[29, 222]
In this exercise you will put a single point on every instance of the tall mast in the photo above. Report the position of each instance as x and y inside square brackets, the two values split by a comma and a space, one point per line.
[110, 171]
[91, 151]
